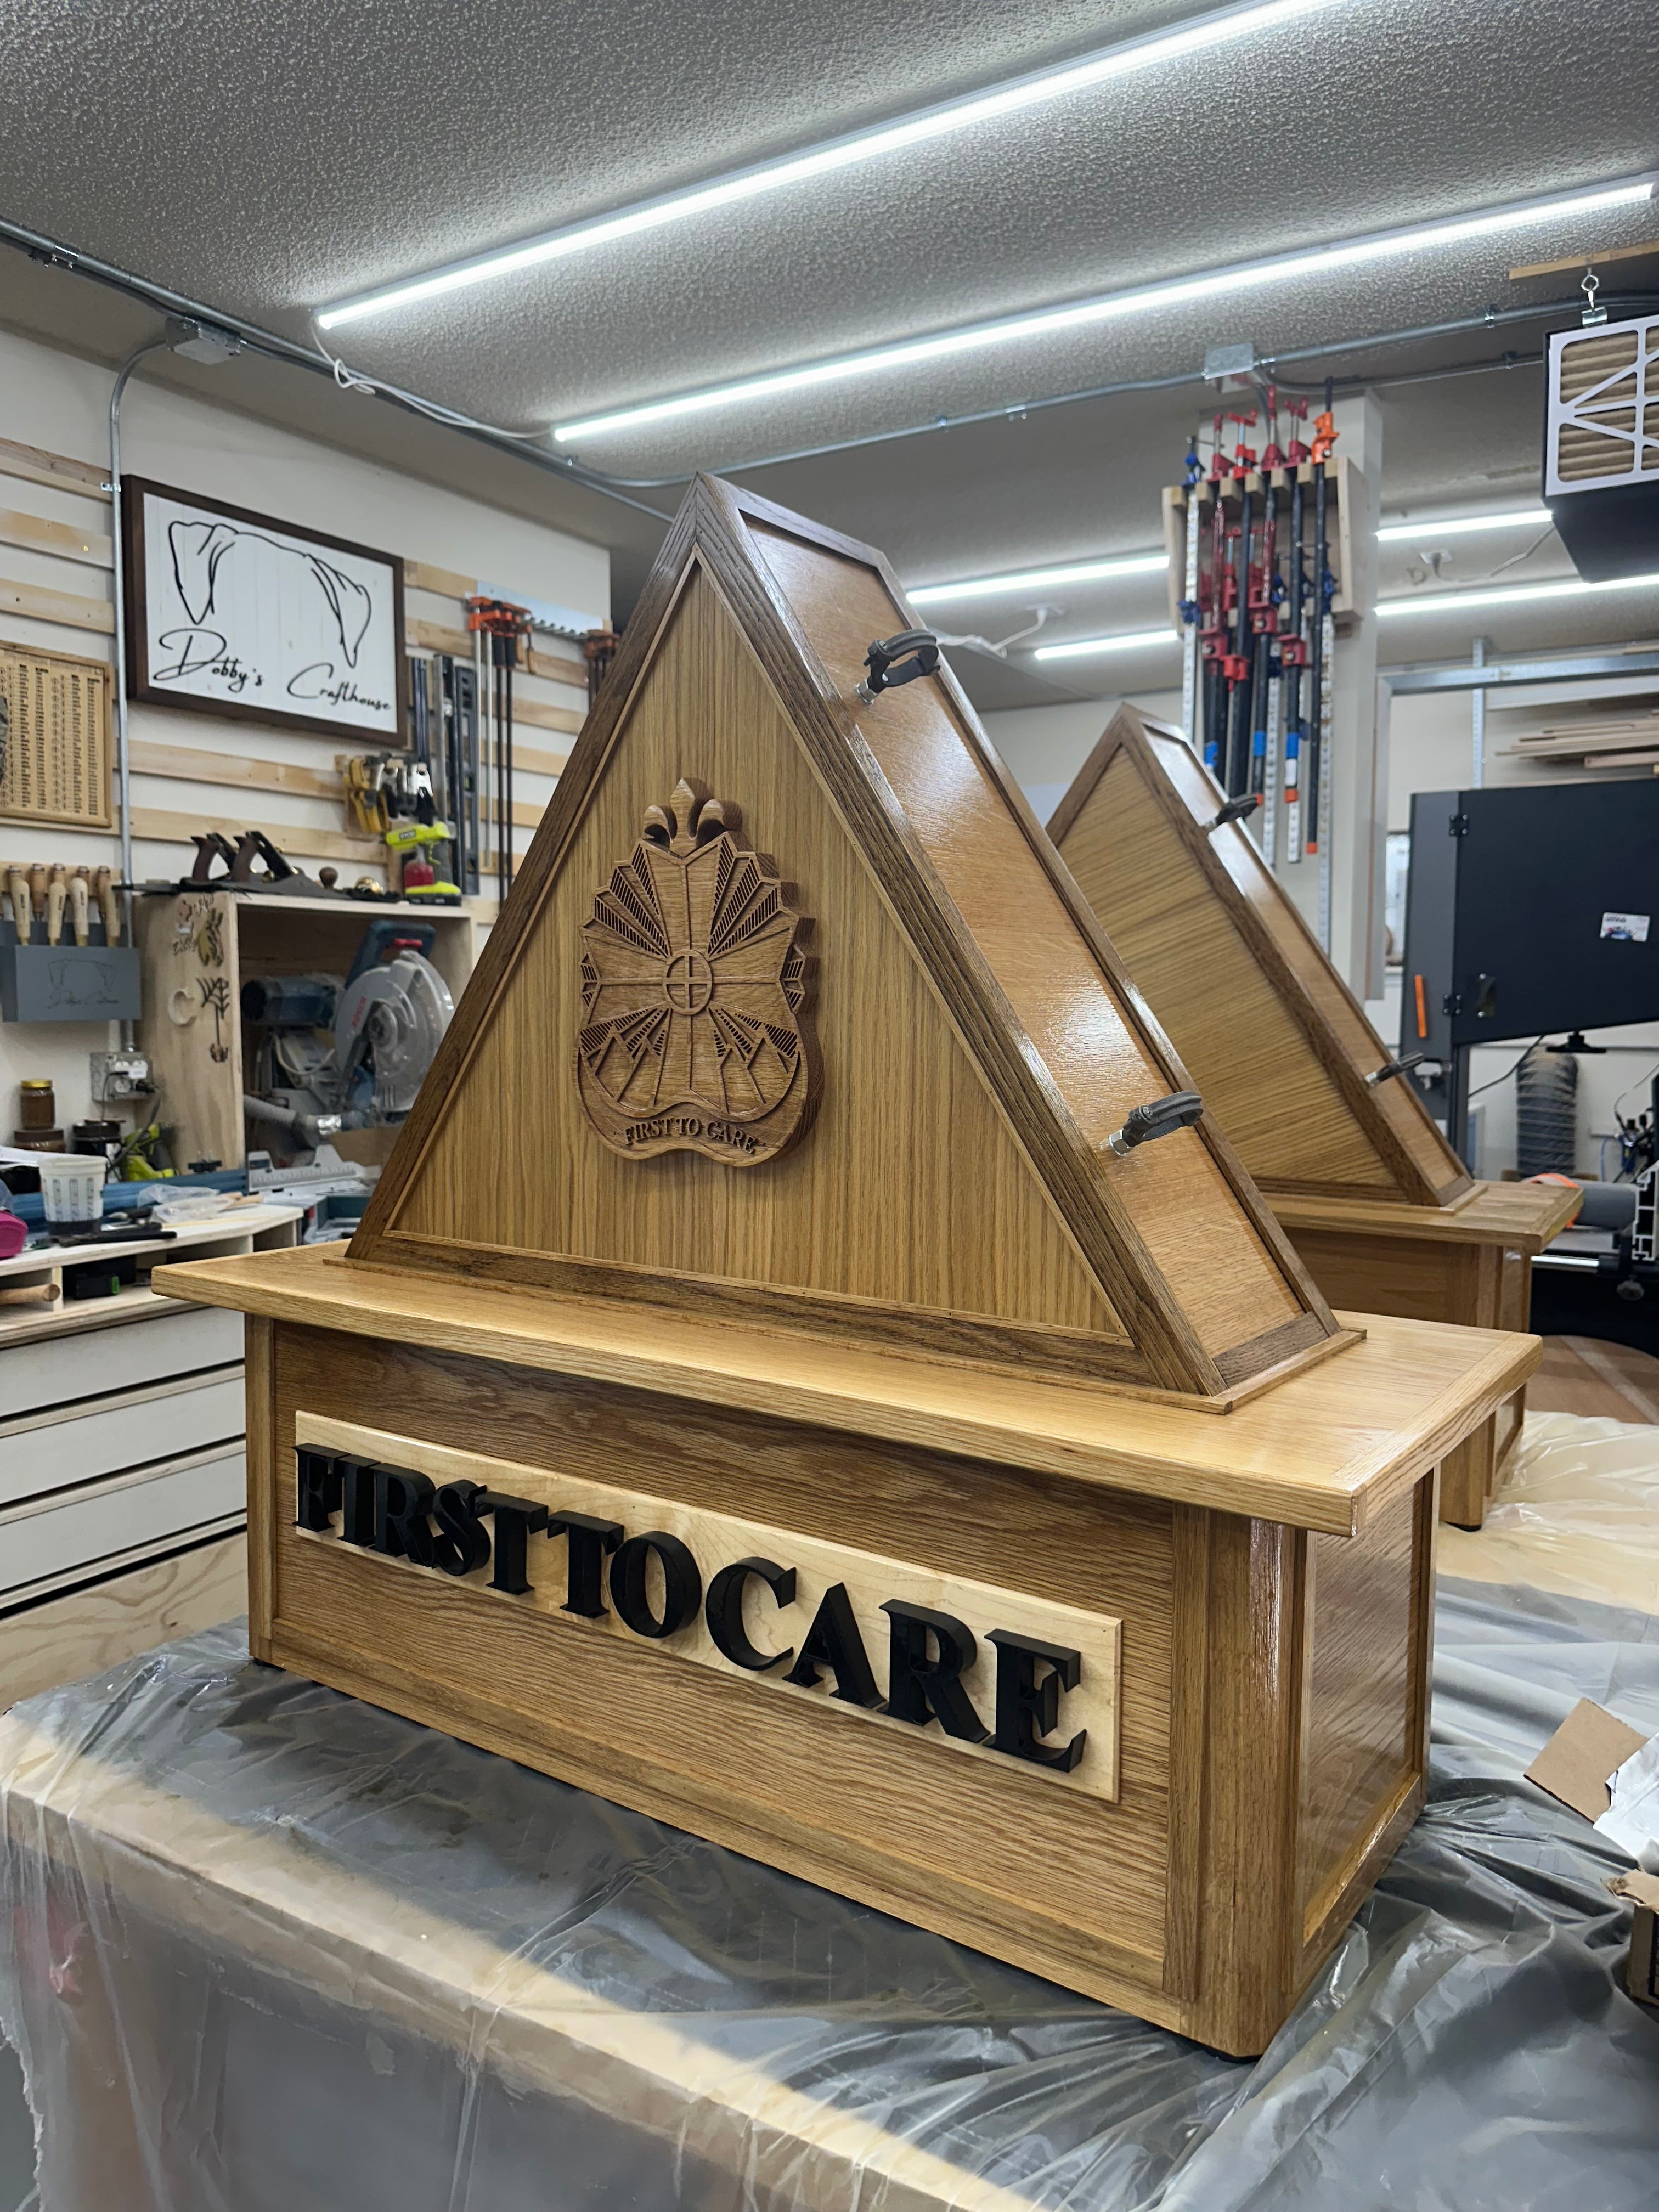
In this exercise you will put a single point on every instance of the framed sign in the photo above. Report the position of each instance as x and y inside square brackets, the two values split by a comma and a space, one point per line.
[236, 614]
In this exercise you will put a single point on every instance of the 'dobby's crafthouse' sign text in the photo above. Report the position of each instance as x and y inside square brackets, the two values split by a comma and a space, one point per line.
[995, 1672]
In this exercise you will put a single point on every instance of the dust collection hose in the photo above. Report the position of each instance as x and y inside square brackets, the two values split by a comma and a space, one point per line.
[311, 1129]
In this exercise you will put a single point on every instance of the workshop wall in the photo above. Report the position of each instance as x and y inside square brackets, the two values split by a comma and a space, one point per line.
[59, 402]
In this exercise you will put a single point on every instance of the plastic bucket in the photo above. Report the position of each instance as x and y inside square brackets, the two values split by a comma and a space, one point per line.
[72, 1189]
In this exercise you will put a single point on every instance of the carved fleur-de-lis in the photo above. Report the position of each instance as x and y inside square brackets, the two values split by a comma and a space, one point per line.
[691, 818]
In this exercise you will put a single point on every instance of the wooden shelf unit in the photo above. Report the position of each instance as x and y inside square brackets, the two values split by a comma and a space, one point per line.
[198, 950]
[1384, 1213]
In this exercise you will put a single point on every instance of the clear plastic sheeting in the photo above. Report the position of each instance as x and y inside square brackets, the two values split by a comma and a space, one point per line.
[1577, 1512]
[268, 1948]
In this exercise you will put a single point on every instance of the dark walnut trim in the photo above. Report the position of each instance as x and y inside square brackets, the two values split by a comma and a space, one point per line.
[1271, 1349]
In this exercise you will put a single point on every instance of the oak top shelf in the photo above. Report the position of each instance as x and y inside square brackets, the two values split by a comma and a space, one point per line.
[1522, 1217]
[1323, 1449]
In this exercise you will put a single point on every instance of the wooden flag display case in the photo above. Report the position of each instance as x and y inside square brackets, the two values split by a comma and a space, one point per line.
[1382, 1212]
[760, 1391]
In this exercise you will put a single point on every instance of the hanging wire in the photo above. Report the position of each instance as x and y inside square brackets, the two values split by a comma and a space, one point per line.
[1508, 1071]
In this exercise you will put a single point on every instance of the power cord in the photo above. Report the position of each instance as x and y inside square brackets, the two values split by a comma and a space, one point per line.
[1508, 1071]
[349, 380]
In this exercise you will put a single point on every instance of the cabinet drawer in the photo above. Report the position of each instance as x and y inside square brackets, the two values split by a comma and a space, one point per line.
[53, 1538]
[123, 1357]
[129, 1429]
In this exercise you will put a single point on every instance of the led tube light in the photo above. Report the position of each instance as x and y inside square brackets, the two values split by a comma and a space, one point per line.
[1430, 603]
[1127, 641]
[1461, 525]
[1041, 579]
[1107, 569]
[1128, 58]
[1509, 595]
[1207, 287]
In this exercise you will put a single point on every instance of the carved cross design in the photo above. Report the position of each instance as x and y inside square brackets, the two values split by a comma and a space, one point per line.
[696, 994]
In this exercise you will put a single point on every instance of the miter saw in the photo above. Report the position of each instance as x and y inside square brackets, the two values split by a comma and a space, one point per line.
[347, 1053]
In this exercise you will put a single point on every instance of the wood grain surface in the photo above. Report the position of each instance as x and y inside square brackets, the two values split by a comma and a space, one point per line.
[979, 1043]
[1274, 1038]
[85, 1630]
[1273, 1695]
[1324, 1450]
[901, 1816]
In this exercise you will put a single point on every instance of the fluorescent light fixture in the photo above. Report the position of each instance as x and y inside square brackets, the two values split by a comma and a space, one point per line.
[1127, 58]
[1208, 287]
[1131, 641]
[1461, 525]
[1041, 579]
[1513, 595]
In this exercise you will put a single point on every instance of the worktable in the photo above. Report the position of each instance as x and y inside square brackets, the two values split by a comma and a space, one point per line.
[270, 1947]
[122, 1485]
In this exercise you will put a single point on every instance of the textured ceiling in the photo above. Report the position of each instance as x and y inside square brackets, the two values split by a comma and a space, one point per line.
[265, 160]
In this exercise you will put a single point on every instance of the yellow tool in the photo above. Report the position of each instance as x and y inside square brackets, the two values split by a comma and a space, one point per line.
[406, 838]
[365, 776]
[56, 893]
[78, 900]
[18, 883]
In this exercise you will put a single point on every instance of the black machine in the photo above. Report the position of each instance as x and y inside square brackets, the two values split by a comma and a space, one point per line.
[1528, 913]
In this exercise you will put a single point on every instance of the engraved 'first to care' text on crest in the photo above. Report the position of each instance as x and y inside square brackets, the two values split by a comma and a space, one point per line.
[696, 994]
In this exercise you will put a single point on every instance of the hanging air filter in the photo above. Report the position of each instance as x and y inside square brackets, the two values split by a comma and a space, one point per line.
[1601, 446]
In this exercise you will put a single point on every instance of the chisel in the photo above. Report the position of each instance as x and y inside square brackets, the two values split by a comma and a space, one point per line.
[56, 894]
[18, 883]
[104, 887]
[77, 891]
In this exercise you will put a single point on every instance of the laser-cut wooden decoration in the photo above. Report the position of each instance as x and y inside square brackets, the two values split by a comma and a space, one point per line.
[698, 995]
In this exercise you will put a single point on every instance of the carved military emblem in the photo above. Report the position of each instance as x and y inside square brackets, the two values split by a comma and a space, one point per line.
[696, 994]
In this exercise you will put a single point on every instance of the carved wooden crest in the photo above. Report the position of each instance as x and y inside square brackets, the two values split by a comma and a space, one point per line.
[696, 994]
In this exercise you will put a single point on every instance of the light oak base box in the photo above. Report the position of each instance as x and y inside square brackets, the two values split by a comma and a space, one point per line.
[1381, 1209]
[761, 1393]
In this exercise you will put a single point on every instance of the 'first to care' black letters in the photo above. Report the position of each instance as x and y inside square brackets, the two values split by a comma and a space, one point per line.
[403, 1515]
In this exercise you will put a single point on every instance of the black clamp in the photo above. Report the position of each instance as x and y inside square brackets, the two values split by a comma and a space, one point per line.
[1390, 1069]
[1236, 809]
[888, 668]
[1161, 1118]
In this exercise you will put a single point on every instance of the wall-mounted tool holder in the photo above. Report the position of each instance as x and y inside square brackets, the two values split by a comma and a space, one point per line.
[70, 980]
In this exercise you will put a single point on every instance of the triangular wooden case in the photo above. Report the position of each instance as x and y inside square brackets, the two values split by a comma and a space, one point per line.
[1275, 1040]
[930, 1085]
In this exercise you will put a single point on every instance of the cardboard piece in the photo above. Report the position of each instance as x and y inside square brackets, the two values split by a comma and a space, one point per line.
[1641, 1891]
[1573, 1768]
[1574, 1764]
